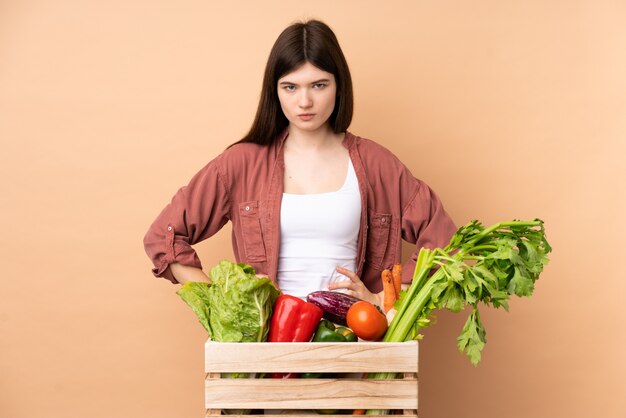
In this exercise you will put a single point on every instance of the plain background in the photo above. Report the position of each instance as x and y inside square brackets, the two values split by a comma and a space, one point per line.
[508, 109]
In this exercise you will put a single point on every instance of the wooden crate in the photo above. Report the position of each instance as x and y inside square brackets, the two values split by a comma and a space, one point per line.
[345, 393]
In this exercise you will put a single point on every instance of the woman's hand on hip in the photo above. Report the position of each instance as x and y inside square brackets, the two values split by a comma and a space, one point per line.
[356, 288]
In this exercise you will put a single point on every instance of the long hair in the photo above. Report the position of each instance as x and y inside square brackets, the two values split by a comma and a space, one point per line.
[301, 42]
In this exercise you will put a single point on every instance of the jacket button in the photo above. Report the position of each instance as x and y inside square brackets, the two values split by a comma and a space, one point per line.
[169, 228]
[247, 208]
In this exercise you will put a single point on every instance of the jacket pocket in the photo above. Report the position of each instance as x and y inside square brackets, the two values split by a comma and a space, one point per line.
[251, 231]
[379, 230]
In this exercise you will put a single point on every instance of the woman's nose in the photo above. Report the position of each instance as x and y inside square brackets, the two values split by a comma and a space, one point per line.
[305, 100]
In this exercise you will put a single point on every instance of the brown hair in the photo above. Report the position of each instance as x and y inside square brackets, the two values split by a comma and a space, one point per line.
[302, 42]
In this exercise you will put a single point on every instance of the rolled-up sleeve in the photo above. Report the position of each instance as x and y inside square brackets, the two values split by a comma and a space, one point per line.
[196, 212]
[425, 223]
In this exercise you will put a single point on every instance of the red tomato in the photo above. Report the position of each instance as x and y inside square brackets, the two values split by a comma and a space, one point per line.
[367, 322]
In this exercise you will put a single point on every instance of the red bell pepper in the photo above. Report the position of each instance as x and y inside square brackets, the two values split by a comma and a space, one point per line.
[293, 320]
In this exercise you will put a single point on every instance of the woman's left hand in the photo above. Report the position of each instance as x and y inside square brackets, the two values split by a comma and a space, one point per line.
[356, 288]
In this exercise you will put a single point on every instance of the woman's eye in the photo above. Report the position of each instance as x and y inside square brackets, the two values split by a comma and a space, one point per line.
[319, 85]
[290, 88]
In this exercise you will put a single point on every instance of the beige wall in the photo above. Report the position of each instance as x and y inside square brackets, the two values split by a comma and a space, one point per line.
[508, 109]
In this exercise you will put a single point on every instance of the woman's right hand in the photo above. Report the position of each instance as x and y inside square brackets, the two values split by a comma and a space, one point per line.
[355, 287]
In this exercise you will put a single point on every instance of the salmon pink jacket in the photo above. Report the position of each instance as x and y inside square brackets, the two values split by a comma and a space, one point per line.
[244, 185]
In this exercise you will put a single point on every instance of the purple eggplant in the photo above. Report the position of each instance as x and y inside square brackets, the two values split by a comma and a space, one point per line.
[334, 304]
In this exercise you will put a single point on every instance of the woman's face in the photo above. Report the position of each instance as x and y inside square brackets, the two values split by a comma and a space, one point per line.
[307, 97]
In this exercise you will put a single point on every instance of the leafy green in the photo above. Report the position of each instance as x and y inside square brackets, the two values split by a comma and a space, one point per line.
[236, 306]
[480, 264]
[197, 296]
[473, 337]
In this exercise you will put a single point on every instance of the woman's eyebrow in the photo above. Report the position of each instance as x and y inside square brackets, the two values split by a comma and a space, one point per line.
[322, 80]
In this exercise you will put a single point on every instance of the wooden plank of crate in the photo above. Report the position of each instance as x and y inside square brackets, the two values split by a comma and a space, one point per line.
[411, 412]
[212, 412]
[311, 357]
[310, 393]
[308, 414]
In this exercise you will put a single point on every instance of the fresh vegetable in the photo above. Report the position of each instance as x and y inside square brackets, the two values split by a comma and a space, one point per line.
[334, 304]
[389, 291]
[367, 321]
[396, 273]
[326, 335]
[480, 264]
[236, 306]
[309, 375]
[347, 333]
[326, 332]
[294, 320]
[327, 324]
[327, 411]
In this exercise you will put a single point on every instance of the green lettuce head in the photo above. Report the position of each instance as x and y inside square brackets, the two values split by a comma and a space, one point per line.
[236, 306]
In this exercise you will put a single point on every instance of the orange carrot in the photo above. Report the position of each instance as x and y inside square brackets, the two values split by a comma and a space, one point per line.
[396, 272]
[388, 289]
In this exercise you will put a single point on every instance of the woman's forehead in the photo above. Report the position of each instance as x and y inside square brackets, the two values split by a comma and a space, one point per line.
[306, 73]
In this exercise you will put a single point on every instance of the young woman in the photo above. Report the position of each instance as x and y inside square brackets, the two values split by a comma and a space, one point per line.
[312, 205]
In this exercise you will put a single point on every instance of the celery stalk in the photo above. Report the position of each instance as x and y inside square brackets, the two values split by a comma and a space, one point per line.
[480, 264]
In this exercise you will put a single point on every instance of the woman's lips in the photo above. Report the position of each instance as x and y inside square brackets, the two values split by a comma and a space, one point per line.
[306, 116]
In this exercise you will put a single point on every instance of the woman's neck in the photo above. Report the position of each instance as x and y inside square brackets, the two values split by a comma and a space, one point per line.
[312, 140]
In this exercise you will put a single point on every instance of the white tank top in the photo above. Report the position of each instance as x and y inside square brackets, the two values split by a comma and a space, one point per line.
[318, 233]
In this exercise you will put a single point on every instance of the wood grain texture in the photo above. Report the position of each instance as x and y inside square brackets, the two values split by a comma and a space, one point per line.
[312, 413]
[310, 393]
[213, 411]
[346, 392]
[411, 376]
[361, 357]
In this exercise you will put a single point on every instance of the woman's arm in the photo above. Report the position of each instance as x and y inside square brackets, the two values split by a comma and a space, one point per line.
[426, 223]
[196, 212]
[184, 274]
